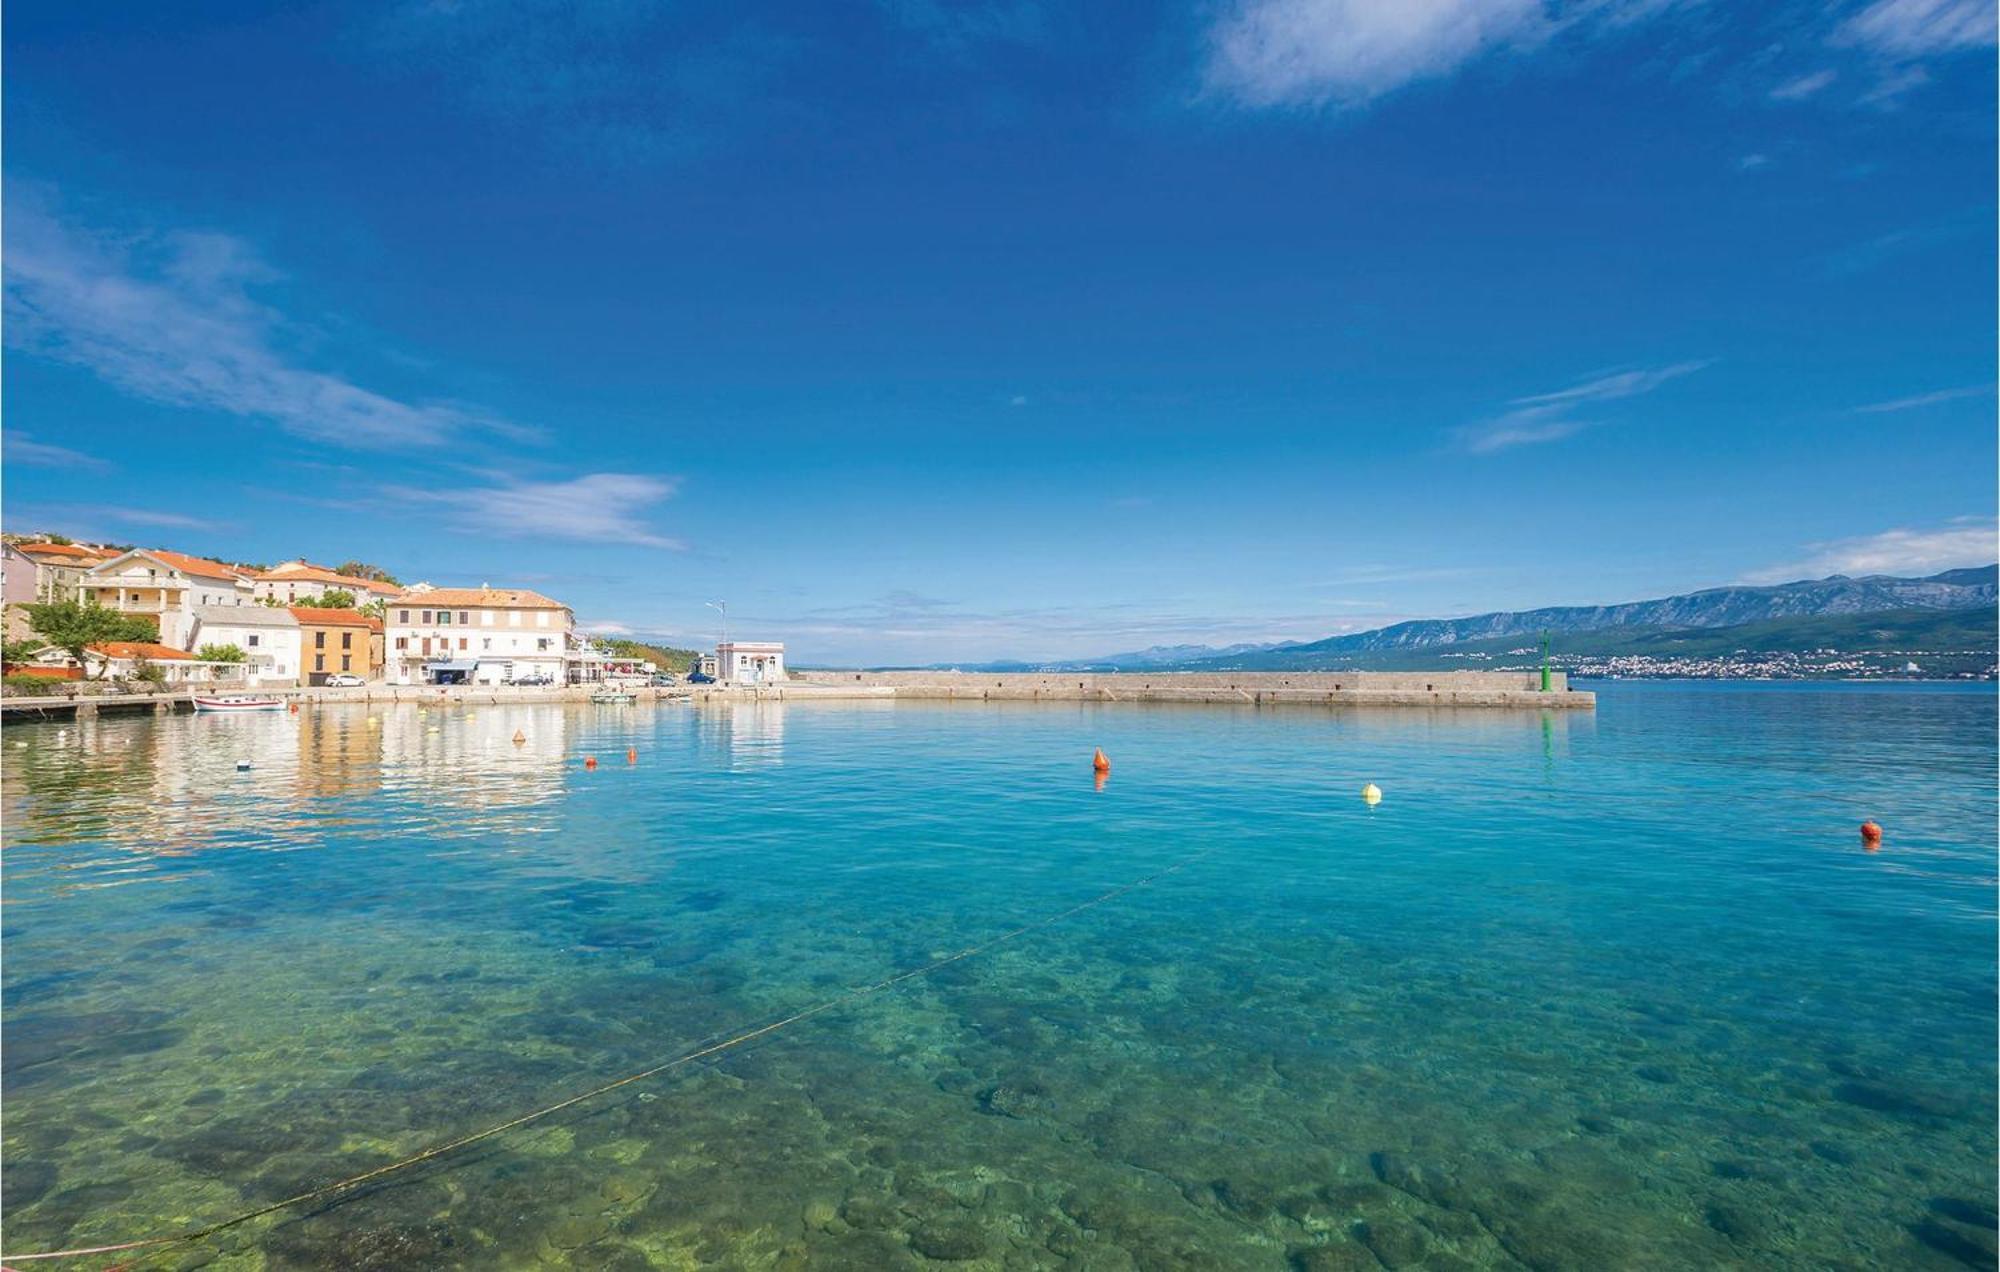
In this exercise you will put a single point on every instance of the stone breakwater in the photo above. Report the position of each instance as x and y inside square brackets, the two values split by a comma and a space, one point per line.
[1335, 689]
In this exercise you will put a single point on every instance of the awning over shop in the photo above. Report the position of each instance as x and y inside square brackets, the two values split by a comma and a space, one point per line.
[457, 664]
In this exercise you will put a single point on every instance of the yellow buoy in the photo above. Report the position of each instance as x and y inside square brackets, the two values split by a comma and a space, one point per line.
[1371, 794]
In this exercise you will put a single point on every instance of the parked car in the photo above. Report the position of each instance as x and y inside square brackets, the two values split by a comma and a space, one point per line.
[697, 678]
[344, 680]
[662, 680]
[532, 680]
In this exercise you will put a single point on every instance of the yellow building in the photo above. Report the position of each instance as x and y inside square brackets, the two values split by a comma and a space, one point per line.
[333, 641]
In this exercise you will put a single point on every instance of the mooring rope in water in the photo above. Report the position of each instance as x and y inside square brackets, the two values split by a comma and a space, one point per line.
[440, 1150]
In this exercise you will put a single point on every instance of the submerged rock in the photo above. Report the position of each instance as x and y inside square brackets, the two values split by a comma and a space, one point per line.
[951, 1241]
[1974, 1247]
[25, 1182]
[1976, 1213]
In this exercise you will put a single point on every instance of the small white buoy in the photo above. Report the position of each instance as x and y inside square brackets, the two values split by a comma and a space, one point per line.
[1371, 794]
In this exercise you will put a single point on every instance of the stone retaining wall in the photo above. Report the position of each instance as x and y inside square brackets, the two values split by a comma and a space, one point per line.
[1354, 688]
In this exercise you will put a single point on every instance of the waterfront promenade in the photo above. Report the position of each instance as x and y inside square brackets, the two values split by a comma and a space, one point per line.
[1330, 689]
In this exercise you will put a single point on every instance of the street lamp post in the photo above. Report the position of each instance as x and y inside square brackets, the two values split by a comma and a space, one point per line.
[722, 608]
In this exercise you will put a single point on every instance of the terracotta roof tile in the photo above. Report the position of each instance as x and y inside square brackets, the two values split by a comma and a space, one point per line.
[311, 616]
[482, 597]
[320, 574]
[138, 649]
[68, 551]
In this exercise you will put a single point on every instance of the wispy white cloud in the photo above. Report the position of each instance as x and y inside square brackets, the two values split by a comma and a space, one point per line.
[1801, 87]
[172, 318]
[1926, 399]
[1910, 29]
[1346, 53]
[1750, 163]
[1966, 541]
[19, 448]
[1609, 388]
[93, 521]
[1550, 417]
[595, 508]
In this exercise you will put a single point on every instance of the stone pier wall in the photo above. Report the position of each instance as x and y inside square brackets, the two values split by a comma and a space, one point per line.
[1331, 688]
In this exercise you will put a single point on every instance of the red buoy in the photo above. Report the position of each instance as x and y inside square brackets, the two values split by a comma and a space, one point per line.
[590, 761]
[1871, 833]
[1100, 761]
[631, 755]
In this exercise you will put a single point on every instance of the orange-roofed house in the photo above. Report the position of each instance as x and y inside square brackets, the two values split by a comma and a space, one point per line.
[299, 580]
[166, 586]
[338, 640]
[477, 635]
[119, 659]
[59, 567]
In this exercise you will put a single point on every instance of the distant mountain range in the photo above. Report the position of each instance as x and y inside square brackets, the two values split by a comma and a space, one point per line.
[1402, 644]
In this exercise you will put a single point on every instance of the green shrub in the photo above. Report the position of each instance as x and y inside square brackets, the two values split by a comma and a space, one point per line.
[27, 685]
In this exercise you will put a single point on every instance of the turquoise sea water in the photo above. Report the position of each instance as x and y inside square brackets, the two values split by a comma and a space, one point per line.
[1610, 990]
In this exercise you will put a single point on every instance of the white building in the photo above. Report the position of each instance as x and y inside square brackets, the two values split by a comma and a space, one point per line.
[750, 662]
[293, 581]
[59, 567]
[269, 639]
[475, 635]
[167, 586]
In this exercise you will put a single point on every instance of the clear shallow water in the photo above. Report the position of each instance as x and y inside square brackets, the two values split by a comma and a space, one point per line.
[1584, 991]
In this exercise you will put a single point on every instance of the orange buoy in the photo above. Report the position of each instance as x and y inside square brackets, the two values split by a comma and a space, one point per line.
[1100, 761]
[295, 708]
[631, 755]
[1871, 833]
[590, 761]
[519, 737]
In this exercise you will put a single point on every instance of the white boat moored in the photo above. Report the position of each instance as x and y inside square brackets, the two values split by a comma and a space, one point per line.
[237, 702]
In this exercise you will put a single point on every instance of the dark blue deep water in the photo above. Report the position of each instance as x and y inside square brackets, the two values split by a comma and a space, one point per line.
[1586, 990]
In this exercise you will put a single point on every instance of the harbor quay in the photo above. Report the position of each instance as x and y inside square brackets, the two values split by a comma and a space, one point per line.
[1337, 688]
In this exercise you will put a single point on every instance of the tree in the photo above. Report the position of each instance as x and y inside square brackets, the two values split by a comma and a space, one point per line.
[74, 626]
[377, 608]
[363, 570]
[221, 654]
[336, 599]
[57, 539]
[147, 673]
[20, 651]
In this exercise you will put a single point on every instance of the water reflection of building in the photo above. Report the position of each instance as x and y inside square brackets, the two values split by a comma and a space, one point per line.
[467, 759]
[340, 753]
[160, 787]
[749, 733]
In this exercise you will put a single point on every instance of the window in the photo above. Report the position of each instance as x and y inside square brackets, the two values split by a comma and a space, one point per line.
[252, 641]
[444, 618]
[427, 616]
[403, 642]
[542, 644]
[464, 618]
[347, 640]
[464, 642]
[347, 662]
[402, 616]
[319, 662]
[319, 640]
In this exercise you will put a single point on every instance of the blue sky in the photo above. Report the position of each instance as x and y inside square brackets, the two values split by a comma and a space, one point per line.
[923, 331]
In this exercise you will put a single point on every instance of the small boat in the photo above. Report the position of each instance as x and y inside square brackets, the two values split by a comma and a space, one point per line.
[613, 697]
[238, 702]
